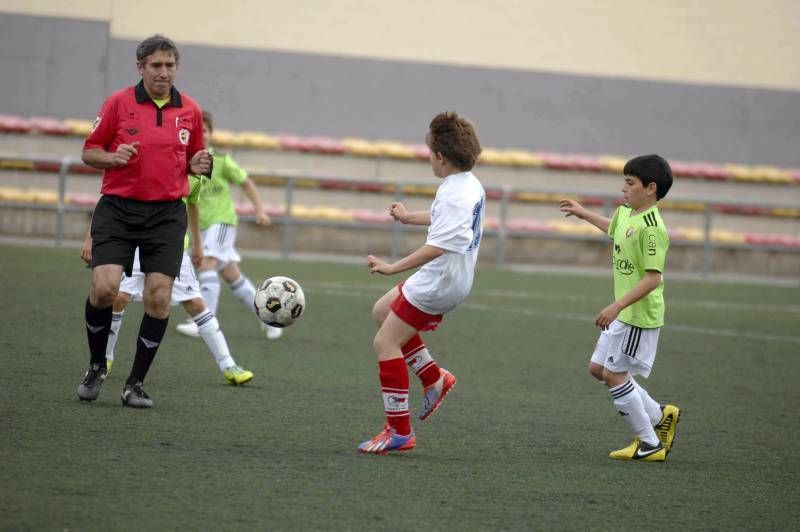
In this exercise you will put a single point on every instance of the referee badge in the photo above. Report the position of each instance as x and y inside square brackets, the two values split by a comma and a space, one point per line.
[183, 136]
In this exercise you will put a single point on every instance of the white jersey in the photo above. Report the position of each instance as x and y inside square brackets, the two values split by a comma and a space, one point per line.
[456, 227]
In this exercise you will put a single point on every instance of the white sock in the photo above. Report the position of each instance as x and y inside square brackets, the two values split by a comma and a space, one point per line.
[629, 403]
[651, 406]
[244, 291]
[419, 361]
[113, 335]
[209, 288]
[208, 327]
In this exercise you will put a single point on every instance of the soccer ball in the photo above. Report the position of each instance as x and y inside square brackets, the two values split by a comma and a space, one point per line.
[279, 301]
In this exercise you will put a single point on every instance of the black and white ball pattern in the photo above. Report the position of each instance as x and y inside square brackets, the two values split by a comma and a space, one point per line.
[279, 301]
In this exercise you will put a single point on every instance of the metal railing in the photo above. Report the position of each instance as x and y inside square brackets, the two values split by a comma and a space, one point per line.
[399, 190]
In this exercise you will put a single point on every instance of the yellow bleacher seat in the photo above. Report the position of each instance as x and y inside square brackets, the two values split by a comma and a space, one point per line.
[224, 137]
[79, 127]
[613, 164]
[255, 139]
[361, 147]
[395, 150]
[522, 158]
[491, 156]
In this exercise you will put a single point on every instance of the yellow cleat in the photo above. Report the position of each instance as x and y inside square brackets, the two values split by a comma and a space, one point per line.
[237, 375]
[639, 450]
[665, 430]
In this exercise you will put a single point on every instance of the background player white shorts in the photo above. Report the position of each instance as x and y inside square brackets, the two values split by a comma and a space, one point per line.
[624, 347]
[184, 288]
[218, 241]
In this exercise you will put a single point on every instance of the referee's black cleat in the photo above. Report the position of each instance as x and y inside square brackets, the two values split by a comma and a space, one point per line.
[92, 383]
[134, 396]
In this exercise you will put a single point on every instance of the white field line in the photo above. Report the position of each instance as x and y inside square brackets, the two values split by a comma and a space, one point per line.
[732, 305]
[521, 294]
[585, 318]
[356, 291]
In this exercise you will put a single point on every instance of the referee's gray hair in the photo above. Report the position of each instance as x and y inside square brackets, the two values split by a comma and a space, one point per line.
[156, 42]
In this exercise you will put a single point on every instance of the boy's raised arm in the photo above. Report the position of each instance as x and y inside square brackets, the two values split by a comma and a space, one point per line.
[572, 208]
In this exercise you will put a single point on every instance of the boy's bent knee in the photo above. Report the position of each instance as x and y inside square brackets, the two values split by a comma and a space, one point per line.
[378, 318]
[596, 371]
[614, 379]
[194, 306]
[379, 312]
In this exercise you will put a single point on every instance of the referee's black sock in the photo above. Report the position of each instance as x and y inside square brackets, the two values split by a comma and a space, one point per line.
[98, 324]
[151, 333]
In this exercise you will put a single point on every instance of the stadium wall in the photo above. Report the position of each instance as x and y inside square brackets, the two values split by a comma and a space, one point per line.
[698, 88]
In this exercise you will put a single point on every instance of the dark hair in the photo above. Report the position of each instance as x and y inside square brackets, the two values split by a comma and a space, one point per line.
[208, 120]
[651, 169]
[455, 138]
[156, 42]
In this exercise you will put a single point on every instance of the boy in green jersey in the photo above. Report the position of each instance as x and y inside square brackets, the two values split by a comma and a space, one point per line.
[631, 324]
[218, 223]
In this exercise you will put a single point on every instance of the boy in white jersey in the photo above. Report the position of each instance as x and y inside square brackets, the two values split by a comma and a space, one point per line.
[631, 324]
[447, 261]
[185, 290]
[218, 222]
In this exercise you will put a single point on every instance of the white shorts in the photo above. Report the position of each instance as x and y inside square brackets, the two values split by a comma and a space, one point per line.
[218, 241]
[185, 287]
[624, 347]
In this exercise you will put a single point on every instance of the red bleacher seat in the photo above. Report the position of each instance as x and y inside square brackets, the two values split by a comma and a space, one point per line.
[713, 171]
[326, 145]
[557, 161]
[295, 143]
[77, 198]
[14, 124]
[421, 151]
[585, 162]
[49, 126]
[362, 215]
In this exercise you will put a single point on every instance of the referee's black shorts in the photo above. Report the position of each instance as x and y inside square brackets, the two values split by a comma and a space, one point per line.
[157, 228]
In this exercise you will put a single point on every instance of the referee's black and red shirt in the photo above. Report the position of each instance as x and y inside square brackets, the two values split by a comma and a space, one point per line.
[168, 138]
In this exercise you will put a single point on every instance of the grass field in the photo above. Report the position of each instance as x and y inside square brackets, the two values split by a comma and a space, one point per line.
[521, 443]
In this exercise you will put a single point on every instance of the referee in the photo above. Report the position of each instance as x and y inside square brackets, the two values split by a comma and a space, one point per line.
[146, 139]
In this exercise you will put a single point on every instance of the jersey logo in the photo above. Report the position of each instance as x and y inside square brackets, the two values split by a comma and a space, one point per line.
[131, 130]
[149, 344]
[651, 245]
[629, 232]
[183, 136]
[624, 266]
[96, 123]
[414, 362]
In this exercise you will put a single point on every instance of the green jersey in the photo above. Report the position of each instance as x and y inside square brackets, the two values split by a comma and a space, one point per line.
[195, 185]
[640, 244]
[216, 202]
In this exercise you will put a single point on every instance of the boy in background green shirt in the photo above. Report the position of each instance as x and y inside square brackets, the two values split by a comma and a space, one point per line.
[631, 324]
[218, 224]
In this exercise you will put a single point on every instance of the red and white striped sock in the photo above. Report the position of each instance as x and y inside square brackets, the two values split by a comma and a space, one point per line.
[420, 361]
[394, 385]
